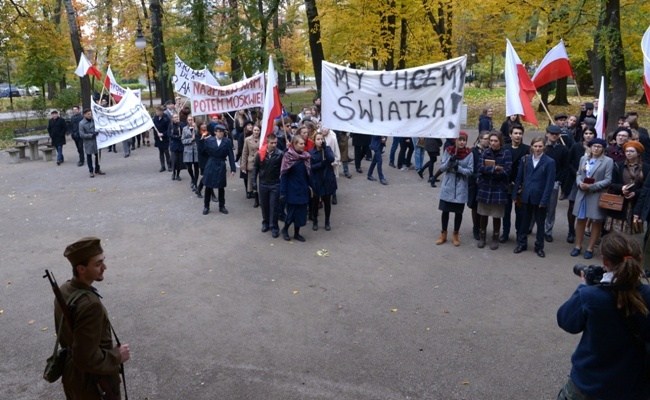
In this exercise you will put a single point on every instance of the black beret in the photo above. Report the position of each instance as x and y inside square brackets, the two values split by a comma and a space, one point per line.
[169, 102]
[589, 106]
[82, 250]
[623, 129]
[553, 129]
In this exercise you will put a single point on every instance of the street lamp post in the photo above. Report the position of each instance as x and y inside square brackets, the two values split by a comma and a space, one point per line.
[141, 44]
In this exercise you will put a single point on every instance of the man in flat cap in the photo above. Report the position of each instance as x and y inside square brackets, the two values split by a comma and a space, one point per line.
[560, 153]
[565, 137]
[92, 355]
[56, 128]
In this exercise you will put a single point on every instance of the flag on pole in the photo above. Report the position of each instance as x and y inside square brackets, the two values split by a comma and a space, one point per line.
[519, 88]
[554, 66]
[272, 107]
[85, 67]
[645, 47]
[111, 84]
[600, 118]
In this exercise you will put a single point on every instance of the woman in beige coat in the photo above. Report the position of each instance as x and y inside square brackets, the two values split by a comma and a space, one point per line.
[251, 146]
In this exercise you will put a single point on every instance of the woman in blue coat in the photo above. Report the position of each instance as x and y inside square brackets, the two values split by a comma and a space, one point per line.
[535, 180]
[323, 180]
[295, 191]
[216, 148]
[493, 180]
[610, 360]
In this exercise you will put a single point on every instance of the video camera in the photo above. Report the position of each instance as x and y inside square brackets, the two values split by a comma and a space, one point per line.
[593, 273]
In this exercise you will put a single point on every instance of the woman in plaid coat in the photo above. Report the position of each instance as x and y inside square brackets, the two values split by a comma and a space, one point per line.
[493, 180]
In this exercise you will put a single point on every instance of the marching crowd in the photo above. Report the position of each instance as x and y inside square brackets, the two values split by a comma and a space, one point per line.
[295, 172]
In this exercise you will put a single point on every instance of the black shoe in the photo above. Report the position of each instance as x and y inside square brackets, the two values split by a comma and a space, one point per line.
[371, 178]
[257, 203]
[430, 179]
[206, 211]
[133, 147]
[519, 249]
[391, 165]
[80, 164]
[477, 234]
[503, 238]
[162, 169]
[198, 194]
[265, 228]
[173, 176]
[314, 227]
[540, 252]
[275, 234]
[334, 201]
[249, 195]
[127, 155]
[421, 173]
[548, 238]
[285, 235]
[359, 170]
[169, 169]
[223, 210]
[58, 163]
[327, 226]
[178, 177]
[110, 149]
[298, 237]
[282, 217]
[383, 181]
[571, 237]
[193, 187]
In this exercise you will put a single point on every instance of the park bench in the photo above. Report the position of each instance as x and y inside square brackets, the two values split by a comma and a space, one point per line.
[47, 152]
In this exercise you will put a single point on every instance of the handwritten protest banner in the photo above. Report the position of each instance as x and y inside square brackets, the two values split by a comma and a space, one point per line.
[208, 99]
[422, 101]
[120, 122]
[184, 75]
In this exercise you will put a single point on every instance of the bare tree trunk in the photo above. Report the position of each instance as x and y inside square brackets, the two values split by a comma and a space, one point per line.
[235, 65]
[441, 23]
[543, 94]
[618, 95]
[282, 78]
[561, 95]
[109, 29]
[596, 55]
[401, 64]
[297, 78]
[388, 20]
[315, 45]
[163, 84]
[643, 99]
[75, 39]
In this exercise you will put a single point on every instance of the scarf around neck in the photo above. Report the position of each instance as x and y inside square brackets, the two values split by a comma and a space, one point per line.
[291, 157]
[459, 153]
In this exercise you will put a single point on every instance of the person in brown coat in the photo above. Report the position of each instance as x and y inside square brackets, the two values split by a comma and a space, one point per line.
[251, 146]
[92, 354]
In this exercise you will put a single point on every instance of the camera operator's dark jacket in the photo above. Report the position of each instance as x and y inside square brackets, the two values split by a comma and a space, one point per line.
[269, 169]
[642, 208]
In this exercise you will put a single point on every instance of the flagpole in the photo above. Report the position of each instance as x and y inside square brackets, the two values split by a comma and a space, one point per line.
[544, 105]
[577, 90]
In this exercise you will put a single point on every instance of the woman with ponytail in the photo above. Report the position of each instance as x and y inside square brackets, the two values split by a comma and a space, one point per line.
[610, 361]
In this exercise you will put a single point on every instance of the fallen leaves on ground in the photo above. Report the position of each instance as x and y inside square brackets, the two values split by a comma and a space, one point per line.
[323, 253]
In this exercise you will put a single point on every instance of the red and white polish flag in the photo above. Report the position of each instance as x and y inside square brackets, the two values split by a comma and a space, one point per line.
[600, 118]
[272, 107]
[113, 88]
[85, 67]
[645, 47]
[554, 66]
[520, 90]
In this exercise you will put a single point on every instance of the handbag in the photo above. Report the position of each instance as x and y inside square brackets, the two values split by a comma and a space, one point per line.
[420, 142]
[611, 201]
[56, 362]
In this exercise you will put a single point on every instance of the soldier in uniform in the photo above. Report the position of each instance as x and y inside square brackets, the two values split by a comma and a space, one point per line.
[92, 355]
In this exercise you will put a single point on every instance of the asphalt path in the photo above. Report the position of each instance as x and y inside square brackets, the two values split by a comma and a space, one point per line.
[214, 309]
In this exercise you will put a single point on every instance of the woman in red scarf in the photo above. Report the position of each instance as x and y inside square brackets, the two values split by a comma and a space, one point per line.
[458, 163]
[295, 190]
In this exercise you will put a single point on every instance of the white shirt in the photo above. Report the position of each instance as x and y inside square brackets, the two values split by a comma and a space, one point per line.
[536, 160]
[218, 142]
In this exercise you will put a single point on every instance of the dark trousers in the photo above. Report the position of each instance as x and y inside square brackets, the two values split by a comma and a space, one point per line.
[405, 152]
[89, 161]
[532, 212]
[429, 165]
[163, 154]
[79, 142]
[270, 205]
[507, 218]
[376, 161]
[359, 153]
[208, 196]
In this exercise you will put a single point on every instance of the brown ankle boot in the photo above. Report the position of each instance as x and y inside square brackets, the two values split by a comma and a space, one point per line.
[454, 239]
[481, 241]
[495, 241]
[442, 238]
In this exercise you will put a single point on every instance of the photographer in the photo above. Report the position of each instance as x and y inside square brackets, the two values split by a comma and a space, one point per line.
[610, 360]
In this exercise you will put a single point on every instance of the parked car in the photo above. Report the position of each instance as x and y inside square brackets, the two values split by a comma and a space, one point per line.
[10, 91]
[34, 91]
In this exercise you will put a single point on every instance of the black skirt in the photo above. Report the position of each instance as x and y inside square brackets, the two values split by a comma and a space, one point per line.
[451, 207]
